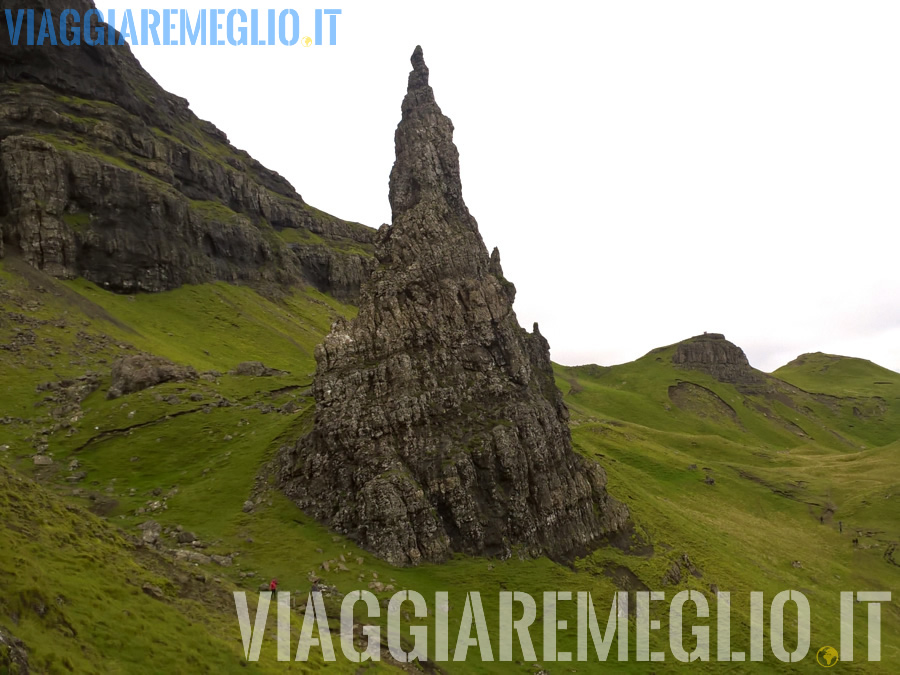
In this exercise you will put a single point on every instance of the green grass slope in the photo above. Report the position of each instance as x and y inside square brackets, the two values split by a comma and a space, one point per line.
[72, 581]
[73, 591]
[868, 394]
[751, 488]
[765, 490]
[840, 376]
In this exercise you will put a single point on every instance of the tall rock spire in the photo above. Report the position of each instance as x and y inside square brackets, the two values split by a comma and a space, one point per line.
[439, 427]
[427, 166]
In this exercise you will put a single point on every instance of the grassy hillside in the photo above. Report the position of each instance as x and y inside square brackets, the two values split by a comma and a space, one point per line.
[840, 376]
[869, 395]
[755, 505]
[729, 490]
[74, 592]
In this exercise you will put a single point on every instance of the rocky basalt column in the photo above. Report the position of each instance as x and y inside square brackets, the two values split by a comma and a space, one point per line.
[438, 426]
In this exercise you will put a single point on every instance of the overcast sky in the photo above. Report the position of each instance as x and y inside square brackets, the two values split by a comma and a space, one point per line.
[649, 170]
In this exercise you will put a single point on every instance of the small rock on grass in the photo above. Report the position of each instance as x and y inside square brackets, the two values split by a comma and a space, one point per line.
[153, 591]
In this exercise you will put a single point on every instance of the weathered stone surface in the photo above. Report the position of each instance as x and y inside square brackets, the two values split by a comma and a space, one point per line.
[256, 369]
[192, 556]
[331, 271]
[105, 175]
[13, 654]
[711, 353]
[153, 591]
[150, 531]
[674, 574]
[140, 371]
[185, 537]
[438, 426]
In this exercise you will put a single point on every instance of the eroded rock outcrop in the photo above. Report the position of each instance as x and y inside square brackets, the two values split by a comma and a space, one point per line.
[105, 175]
[13, 654]
[438, 425]
[137, 372]
[712, 354]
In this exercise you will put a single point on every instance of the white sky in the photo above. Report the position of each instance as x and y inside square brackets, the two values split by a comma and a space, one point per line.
[649, 170]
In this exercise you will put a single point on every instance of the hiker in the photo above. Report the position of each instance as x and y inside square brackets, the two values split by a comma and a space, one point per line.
[273, 586]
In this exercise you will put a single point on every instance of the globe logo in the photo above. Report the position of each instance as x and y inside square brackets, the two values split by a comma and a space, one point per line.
[827, 657]
[306, 41]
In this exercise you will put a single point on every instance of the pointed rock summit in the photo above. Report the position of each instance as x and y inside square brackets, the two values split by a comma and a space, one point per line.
[438, 426]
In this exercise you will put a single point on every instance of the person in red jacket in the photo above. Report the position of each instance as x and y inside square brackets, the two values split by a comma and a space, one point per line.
[273, 586]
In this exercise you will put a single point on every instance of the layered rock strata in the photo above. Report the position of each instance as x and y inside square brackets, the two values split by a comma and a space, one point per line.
[105, 175]
[438, 425]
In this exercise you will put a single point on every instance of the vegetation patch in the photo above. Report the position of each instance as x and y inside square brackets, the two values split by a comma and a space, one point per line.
[192, 454]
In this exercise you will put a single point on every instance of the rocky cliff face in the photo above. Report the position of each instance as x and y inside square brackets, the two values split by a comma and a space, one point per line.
[438, 424]
[13, 654]
[105, 175]
[711, 353]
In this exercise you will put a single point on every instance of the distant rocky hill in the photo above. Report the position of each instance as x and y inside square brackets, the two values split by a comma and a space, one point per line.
[837, 401]
[105, 175]
[716, 356]
[439, 427]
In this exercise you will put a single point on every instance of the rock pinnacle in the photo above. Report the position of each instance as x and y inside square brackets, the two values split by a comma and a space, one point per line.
[438, 425]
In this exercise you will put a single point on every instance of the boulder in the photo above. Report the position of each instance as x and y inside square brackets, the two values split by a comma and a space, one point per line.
[153, 591]
[192, 557]
[150, 531]
[255, 369]
[139, 371]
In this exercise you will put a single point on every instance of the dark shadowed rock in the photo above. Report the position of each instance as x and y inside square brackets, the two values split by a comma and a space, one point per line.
[140, 371]
[13, 654]
[255, 369]
[150, 531]
[672, 577]
[185, 537]
[439, 427]
[153, 591]
[192, 557]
